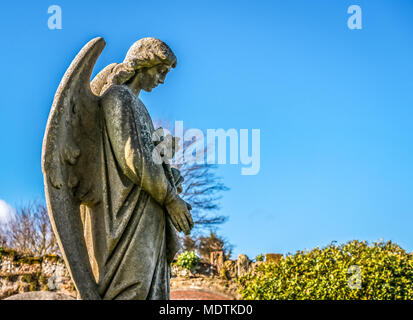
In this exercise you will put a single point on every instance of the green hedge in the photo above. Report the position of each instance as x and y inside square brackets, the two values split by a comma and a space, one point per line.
[355, 270]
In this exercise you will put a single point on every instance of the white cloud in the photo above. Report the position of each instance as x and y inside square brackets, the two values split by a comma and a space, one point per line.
[6, 211]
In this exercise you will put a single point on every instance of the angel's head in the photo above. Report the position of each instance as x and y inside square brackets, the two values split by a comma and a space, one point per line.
[145, 66]
[151, 59]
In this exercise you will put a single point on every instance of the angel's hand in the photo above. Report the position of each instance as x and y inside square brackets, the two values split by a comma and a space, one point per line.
[178, 210]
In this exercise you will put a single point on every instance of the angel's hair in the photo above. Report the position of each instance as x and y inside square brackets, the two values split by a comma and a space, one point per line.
[144, 53]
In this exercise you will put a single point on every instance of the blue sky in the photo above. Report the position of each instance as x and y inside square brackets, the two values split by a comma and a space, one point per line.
[334, 105]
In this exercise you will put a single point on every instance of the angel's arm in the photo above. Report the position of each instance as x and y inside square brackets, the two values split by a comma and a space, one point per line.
[127, 144]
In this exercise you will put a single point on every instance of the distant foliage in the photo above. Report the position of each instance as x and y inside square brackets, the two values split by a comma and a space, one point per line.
[259, 257]
[211, 243]
[204, 245]
[187, 260]
[385, 273]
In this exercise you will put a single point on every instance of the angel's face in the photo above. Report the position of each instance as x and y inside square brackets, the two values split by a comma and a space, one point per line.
[152, 77]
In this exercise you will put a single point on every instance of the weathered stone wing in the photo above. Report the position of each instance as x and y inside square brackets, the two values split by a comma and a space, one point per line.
[71, 157]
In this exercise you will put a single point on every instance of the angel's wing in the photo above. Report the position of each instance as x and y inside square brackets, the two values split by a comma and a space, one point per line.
[70, 158]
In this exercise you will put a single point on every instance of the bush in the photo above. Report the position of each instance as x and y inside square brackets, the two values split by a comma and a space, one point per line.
[259, 257]
[354, 270]
[187, 260]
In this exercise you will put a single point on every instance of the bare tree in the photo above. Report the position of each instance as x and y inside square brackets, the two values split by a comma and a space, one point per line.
[202, 189]
[30, 232]
[211, 243]
[3, 239]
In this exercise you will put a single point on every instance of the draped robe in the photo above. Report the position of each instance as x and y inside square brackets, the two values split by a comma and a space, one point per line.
[130, 238]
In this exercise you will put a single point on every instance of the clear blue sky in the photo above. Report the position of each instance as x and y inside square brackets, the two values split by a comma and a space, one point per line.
[334, 105]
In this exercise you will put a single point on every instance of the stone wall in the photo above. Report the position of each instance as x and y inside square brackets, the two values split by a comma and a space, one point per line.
[19, 274]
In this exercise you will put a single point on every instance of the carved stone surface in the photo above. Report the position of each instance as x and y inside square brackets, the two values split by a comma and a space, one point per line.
[115, 210]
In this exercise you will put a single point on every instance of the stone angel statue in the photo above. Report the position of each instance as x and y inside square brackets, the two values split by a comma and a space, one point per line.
[114, 210]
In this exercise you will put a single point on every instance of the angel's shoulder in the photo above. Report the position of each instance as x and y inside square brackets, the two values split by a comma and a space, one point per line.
[117, 96]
